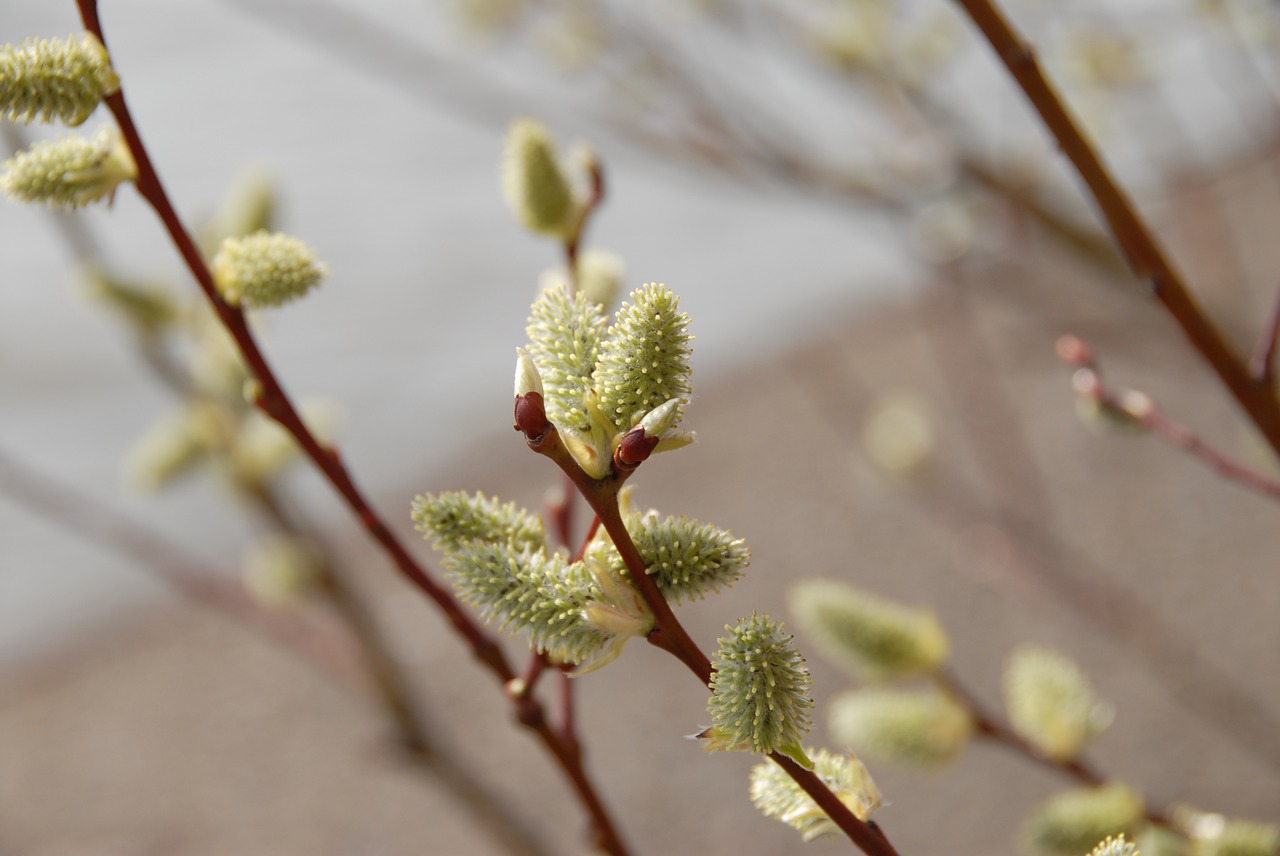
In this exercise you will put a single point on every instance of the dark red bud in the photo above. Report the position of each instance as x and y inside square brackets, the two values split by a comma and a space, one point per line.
[635, 448]
[531, 416]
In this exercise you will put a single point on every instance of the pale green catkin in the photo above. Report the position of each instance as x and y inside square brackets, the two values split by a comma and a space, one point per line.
[55, 80]
[71, 172]
[760, 690]
[265, 269]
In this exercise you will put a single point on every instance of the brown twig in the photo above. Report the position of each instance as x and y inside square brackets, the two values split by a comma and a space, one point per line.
[668, 633]
[1262, 365]
[1146, 259]
[993, 729]
[273, 401]
[1141, 409]
[103, 525]
[395, 689]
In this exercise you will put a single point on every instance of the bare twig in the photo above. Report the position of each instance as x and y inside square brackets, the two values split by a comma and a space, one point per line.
[1141, 409]
[1262, 365]
[101, 524]
[992, 728]
[1147, 261]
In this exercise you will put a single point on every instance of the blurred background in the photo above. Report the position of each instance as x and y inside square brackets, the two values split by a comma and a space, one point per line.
[878, 247]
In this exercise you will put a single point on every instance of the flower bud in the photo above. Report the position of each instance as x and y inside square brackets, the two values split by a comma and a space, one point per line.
[873, 636]
[71, 172]
[1073, 821]
[923, 728]
[1050, 702]
[54, 80]
[265, 269]
[535, 185]
[777, 795]
[759, 691]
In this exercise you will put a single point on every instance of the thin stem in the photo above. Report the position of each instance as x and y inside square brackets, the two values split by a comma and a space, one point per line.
[1143, 410]
[273, 401]
[992, 728]
[395, 690]
[1262, 365]
[101, 524]
[1146, 259]
[668, 633]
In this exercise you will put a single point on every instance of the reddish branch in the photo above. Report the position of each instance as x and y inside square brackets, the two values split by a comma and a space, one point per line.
[1262, 366]
[990, 727]
[1141, 409]
[668, 633]
[273, 401]
[1147, 261]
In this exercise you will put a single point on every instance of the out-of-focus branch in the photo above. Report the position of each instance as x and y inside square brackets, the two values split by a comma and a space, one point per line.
[103, 525]
[1145, 257]
[1141, 409]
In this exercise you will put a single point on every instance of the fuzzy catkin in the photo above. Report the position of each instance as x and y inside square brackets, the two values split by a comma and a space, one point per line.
[265, 269]
[55, 80]
[71, 172]
[760, 689]
[644, 360]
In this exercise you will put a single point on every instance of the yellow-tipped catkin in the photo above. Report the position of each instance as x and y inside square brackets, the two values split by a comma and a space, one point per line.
[1072, 822]
[875, 637]
[923, 728]
[71, 172]
[534, 183]
[55, 80]
[1050, 702]
[1116, 845]
[777, 795]
[265, 269]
